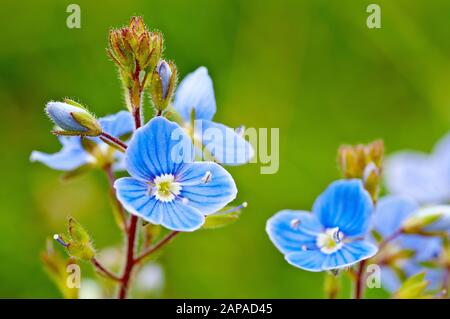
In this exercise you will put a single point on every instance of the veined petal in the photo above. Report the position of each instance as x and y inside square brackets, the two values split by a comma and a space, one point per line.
[310, 260]
[196, 92]
[349, 254]
[415, 174]
[207, 186]
[118, 124]
[159, 147]
[390, 213]
[71, 156]
[136, 199]
[347, 205]
[290, 230]
[180, 217]
[223, 143]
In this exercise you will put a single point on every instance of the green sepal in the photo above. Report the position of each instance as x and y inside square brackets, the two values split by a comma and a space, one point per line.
[221, 218]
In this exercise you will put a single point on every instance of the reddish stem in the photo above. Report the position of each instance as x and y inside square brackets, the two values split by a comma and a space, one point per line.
[114, 140]
[101, 269]
[129, 264]
[160, 244]
[359, 283]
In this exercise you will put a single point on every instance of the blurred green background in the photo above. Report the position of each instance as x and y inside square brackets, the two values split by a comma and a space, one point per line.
[311, 68]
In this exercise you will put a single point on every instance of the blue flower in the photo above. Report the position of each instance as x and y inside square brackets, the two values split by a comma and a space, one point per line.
[388, 219]
[73, 155]
[166, 187]
[196, 94]
[332, 236]
[426, 178]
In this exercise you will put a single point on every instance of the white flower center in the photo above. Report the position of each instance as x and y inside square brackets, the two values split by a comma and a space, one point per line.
[165, 188]
[330, 241]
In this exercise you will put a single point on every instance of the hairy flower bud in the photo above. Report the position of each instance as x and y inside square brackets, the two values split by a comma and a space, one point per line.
[364, 162]
[78, 244]
[163, 84]
[136, 51]
[73, 119]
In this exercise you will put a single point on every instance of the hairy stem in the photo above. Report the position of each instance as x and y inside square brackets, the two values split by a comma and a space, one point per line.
[359, 282]
[132, 229]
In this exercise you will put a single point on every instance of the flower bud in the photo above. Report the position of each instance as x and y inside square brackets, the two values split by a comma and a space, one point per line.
[429, 220]
[73, 119]
[364, 162]
[135, 50]
[78, 244]
[163, 84]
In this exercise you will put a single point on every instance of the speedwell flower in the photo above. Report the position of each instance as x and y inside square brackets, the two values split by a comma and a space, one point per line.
[195, 97]
[74, 154]
[424, 177]
[389, 217]
[332, 236]
[166, 186]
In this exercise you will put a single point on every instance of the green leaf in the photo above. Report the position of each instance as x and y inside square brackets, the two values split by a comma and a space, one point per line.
[413, 288]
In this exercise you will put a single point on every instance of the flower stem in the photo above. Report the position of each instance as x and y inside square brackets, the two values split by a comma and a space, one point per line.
[132, 229]
[156, 247]
[101, 269]
[359, 282]
[129, 263]
[114, 140]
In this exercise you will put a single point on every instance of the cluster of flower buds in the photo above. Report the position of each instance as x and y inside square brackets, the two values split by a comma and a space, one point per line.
[78, 244]
[163, 83]
[136, 51]
[364, 162]
[72, 118]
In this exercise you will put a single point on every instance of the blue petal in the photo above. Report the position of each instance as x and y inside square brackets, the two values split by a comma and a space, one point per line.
[416, 175]
[118, 124]
[290, 230]
[71, 156]
[347, 205]
[207, 197]
[223, 143]
[390, 213]
[61, 114]
[310, 260]
[135, 198]
[196, 92]
[159, 147]
[349, 254]
[181, 217]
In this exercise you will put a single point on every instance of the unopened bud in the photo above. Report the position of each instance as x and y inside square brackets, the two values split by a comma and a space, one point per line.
[135, 50]
[73, 119]
[163, 84]
[429, 220]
